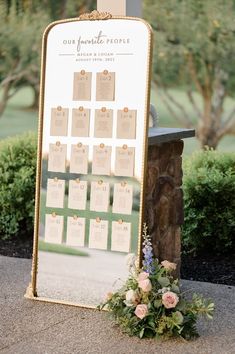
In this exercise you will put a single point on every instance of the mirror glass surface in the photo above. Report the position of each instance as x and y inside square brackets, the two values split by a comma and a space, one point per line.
[94, 124]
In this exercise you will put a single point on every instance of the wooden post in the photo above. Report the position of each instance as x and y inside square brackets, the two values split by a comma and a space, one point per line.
[131, 8]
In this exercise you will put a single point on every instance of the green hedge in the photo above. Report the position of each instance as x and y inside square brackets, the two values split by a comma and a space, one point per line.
[209, 202]
[17, 185]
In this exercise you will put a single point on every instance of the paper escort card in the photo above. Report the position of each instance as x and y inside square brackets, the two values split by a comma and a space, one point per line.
[77, 194]
[103, 123]
[99, 200]
[126, 124]
[75, 231]
[98, 234]
[54, 225]
[55, 193]
[79, 159]
[80, 122]
[59, 121]
[124, 161]
[82, 86]
[101, 164]
[121, 236]
[57, 157]
[105, 86]
[122, 198]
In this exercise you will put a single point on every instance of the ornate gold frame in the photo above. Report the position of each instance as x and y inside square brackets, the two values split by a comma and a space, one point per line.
[31, 291]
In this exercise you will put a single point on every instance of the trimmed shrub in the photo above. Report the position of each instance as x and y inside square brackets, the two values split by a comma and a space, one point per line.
[17, 185]
[209, 199]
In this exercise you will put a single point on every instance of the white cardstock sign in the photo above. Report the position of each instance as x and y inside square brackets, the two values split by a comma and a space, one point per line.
[93, 127]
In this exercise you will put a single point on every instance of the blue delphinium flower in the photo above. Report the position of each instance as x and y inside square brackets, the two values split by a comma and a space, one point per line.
[147, 251]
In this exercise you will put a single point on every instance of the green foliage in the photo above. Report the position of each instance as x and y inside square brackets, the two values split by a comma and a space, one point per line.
[61, 249]
[159, 320]
[17, 184]
[201, 31]
[209, 189]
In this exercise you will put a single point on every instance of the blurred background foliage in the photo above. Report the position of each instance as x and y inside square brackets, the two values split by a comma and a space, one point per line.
[193, 86]
[193, 68]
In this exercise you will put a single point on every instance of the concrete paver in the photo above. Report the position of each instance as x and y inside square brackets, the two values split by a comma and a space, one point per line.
[35, 327]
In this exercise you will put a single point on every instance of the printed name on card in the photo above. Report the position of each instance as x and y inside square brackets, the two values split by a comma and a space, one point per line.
[103, 123]
[105, 86]
[82, 86]
[99, 199]
[54, 226]
[126, 124]
[80, 122]
[79, 159]
[122, 198]
[101, 164]
[75, 231]
[98, 234]
[55, 193]
[59, 121]
[57, 157]
[125, 161]
[77, 194]
[121, 236]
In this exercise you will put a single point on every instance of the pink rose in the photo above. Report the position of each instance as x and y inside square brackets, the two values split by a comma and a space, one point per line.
[170, 300]
[145, 285]
[143, 276]
[109, 296]
[141, 311]
[168, 265]
[131, 298]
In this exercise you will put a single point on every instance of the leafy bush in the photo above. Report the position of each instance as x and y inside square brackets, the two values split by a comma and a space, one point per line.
[17, 184]
[209, 190]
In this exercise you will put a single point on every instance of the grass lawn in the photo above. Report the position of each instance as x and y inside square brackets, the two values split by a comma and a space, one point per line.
[18, 119]
[62, 249]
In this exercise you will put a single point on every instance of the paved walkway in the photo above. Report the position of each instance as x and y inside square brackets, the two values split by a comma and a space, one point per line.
[39, 328]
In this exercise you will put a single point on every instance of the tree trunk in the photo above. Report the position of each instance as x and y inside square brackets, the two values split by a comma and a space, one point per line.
[5, 96]
[35, 103]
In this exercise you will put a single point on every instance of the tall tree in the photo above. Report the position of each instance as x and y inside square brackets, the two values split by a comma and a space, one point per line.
[20, 45]
[195, 48]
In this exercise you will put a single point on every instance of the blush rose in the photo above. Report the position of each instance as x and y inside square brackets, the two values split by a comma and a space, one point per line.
[168, 265]
[170, 300]
[141, 311]
[131, 298]
[145, 285]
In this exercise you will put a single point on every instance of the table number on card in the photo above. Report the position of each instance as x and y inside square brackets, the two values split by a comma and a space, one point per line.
[105, 86]
[55, 193]
[98, 235]
[54, 226]
[57, 157]
[82, 86]
[99, 199]
[59, 121]
[121, 236]
[126, 124]
[125, 161]
[103, 123]
[101, 164]
[75, 231]
[122, 198]
[77, 194]
[80, 122]
[79, 159]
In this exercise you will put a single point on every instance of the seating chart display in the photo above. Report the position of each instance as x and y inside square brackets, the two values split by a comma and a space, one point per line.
[91, 155]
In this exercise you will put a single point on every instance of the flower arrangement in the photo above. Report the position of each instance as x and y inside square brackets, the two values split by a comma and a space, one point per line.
[151, 304]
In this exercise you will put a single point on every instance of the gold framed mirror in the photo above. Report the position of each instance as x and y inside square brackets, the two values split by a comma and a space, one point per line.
[92, 145]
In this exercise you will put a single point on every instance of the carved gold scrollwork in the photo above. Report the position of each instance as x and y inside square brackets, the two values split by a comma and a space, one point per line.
[29, 292]
[95, 15]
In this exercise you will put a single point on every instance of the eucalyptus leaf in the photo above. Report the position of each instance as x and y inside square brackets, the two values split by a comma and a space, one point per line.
[164, 281]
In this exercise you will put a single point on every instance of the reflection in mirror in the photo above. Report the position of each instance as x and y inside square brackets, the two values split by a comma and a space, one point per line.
[92, 157]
